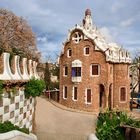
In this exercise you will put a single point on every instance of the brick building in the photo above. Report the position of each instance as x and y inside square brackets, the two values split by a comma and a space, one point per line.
[94, 74]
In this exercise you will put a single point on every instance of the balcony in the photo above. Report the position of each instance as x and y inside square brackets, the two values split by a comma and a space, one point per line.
[77, 79]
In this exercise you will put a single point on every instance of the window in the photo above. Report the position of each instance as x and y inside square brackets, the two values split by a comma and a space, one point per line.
[86, 51]
[88, 96]
[75, 93]
[65, 92]
[69, 53]
[77, 37]
[65, 70]
[122, 94]
[111, 69]
[95, 69]
[76, 71]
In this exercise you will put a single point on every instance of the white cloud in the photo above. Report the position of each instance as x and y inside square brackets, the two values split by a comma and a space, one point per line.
[116, 7]
[107, 34]
[42, 39]
[54, 18]
[49, 49]
[127, 22]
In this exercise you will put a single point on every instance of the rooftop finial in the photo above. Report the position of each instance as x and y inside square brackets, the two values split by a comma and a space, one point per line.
[88, 12]
[87, 21]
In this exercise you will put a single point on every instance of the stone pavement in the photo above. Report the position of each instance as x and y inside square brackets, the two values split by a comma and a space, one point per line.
[54, 122]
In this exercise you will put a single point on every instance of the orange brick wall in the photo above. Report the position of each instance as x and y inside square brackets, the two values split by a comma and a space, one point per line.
[118, 77]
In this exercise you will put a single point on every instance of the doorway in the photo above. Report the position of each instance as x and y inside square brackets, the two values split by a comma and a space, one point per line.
[110, 97]
[102, 96]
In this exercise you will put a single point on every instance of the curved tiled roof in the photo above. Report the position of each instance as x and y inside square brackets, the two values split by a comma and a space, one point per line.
[114, 53]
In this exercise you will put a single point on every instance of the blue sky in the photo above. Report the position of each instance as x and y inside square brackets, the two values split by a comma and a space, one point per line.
[119, 21]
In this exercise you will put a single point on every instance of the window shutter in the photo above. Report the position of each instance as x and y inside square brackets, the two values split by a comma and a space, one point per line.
[88, 95]
[123, 94]
[94, 69]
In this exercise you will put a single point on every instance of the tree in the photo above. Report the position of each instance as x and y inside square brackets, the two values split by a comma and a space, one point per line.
[47, 76]
[55, 70]
[16, 33]
[135, 71]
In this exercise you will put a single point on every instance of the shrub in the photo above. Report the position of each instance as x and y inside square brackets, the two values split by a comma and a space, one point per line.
[1, 87]
[8, 126]
[34, 88]
[108, 125]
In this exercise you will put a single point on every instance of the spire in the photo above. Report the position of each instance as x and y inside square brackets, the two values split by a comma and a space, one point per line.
[87, 21]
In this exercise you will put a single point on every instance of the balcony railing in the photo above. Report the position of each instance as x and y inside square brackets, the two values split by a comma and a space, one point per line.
[77, 79]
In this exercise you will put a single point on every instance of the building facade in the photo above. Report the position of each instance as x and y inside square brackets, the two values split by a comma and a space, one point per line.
[94, 74]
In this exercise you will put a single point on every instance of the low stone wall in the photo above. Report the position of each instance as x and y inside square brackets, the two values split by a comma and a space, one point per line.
[17, 135]
[17, 109]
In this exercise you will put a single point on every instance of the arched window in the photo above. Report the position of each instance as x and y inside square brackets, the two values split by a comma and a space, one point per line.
[88, 97]
[69, 53]
[123, 94]
[75, 93]
[86, 51]
[65, 92]
[65, 70]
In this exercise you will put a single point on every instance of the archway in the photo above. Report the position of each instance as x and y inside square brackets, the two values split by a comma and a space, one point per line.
[110, 97]
[102, 96]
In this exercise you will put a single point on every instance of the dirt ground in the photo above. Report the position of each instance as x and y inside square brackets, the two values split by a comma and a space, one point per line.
[53, 123]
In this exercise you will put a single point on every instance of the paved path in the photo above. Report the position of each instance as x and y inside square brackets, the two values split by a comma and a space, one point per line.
[54, 123]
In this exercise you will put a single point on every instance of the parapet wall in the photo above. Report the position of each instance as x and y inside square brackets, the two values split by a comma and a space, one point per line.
[17, 69]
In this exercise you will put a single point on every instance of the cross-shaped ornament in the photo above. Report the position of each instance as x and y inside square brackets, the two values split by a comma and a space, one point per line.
[77, 37]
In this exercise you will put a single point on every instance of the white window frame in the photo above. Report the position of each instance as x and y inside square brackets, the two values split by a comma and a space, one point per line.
[73, 93]
[88, 103]
[68, 53]
[99, 70]
[120, 94]
[85, 50]
[64, 92]
[64, 71]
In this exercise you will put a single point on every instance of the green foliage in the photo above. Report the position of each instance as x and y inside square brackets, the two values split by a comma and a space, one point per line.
[53, 85]
[10, 58]
[1, 50]
[34, 88]
[14, 90]
[8, 126]
[108, 125]
[1, 87]
[18, 51]
[47, 76]
[55, 71]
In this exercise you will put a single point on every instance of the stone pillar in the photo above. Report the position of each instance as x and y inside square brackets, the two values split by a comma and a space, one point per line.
[25, 71]
[7, 75]
[106, 95]
[30, 68]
